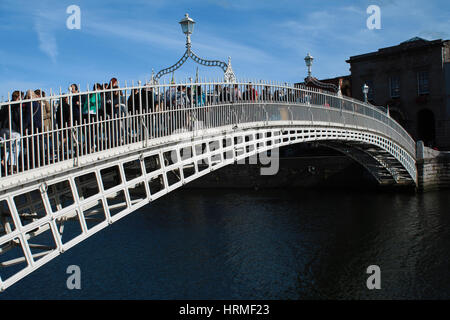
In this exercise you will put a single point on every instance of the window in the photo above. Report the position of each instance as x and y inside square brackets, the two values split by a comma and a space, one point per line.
[423, 82]
[394, 86]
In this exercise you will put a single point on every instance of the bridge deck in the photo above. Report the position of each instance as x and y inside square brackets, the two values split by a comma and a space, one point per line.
[60, 186]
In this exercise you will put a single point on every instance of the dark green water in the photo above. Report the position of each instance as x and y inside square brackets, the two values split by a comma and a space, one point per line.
[270, 244]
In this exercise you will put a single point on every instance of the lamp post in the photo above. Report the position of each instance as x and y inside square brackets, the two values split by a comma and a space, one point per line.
[365, 90]
[187, 26]
[310, 80]
[309, 61]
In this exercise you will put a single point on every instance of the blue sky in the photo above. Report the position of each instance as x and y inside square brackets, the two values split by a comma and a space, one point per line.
[267, 39]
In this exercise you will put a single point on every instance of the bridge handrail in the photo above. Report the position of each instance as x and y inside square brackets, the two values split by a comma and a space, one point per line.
[24, 147]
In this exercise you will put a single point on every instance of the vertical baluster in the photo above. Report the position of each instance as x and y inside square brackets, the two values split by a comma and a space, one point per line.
[4, 156]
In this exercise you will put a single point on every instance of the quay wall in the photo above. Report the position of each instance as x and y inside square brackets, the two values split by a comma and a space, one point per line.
[433, 169]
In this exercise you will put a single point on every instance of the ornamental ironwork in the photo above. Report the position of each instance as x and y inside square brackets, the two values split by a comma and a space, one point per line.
[229, 75]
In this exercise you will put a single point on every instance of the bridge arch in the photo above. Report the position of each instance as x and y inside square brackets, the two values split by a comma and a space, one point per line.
[50, 209]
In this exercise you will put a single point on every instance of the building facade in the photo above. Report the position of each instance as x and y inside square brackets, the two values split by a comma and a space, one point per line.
[413, 79]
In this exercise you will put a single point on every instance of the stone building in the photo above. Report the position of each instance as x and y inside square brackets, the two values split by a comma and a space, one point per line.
[413, 79]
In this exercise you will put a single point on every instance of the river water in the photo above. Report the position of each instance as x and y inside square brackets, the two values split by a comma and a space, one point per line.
[266, 244]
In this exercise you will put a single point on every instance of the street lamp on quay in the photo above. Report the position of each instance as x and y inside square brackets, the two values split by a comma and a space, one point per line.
[365, 90]
[187, 26]
[310, 80]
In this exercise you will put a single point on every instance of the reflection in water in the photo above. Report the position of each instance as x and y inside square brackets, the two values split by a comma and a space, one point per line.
[270, 244]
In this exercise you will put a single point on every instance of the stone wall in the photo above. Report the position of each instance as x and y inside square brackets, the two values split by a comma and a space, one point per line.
[433, 168]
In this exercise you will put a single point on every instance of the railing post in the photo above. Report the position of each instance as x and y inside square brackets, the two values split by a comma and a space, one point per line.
[312, 116]
[420, 150]
[235, 119]
[74, 133]
[291, 115]
[343, 117]
[145, 131]
[267, 114]
[329, 117]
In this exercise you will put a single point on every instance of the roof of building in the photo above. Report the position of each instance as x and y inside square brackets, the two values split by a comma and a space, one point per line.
[415, 43]
[414, 39]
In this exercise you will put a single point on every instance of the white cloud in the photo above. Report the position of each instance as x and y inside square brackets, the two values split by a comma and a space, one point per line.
[47, 41]
[46, 21]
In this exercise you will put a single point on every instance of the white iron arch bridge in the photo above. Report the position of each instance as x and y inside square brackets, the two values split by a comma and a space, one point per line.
[63, 181]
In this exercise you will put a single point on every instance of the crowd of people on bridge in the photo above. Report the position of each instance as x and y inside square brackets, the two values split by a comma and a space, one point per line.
[37, 128]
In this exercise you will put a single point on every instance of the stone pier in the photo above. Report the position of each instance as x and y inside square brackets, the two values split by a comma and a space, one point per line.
[433, 168]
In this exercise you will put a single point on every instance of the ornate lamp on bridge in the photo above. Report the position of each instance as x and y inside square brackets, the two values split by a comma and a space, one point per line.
[187, 26]
[311, 81]
[309, 61]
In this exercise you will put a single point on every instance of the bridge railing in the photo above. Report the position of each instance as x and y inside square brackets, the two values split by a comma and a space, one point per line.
[44, 131]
